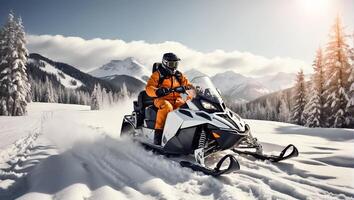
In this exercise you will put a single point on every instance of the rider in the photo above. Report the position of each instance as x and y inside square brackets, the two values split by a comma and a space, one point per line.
[159, 86]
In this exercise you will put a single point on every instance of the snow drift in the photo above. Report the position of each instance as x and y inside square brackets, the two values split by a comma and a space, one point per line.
[78, 154]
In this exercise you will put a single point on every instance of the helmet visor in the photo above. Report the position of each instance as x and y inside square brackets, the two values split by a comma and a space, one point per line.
[171, 64]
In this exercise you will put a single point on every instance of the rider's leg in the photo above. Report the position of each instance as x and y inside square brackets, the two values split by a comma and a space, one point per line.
[164, 107]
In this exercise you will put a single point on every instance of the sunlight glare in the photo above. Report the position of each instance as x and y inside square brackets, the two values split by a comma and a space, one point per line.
[314, 6]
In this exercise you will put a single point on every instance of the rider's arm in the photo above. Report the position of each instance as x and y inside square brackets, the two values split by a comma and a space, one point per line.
[152, 84]
[185, 81]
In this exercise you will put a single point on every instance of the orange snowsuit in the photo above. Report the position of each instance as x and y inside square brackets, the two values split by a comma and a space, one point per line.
[166, 103]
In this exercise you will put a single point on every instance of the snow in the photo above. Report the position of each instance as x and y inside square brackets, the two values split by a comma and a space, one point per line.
[70, 152]
[129, 66]
[66, 80]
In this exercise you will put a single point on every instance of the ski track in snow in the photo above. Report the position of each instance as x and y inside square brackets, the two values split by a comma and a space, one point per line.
[77, 154]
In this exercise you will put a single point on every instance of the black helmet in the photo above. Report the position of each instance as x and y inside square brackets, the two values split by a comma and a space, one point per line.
[170, 62]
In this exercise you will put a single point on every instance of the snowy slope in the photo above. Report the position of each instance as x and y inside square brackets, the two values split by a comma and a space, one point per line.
[129, 66]
[78, 155]
[66, 80]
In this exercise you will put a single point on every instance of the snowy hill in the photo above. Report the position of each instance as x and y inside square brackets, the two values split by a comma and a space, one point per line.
[72, 78]
[131, 83]
[129, 66]
[85, 159]
[62, 70]
[64, 79]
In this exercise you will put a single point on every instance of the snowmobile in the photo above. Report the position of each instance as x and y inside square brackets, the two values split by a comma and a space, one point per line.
[201, 127]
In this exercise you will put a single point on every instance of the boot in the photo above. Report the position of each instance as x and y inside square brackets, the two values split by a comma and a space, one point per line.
[158, 136]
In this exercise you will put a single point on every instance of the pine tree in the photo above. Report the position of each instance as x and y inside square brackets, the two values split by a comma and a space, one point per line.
[95, 99]
[350, 105]
[300, 100]
[283, 110]
[337, 69]
[14, 84]
[49, 91]
[315, 107]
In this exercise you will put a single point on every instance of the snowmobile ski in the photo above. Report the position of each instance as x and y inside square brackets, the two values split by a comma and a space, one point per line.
[217, 171]
[272, 158]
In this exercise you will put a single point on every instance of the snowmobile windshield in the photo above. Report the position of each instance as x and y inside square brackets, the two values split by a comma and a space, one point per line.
[205, 88]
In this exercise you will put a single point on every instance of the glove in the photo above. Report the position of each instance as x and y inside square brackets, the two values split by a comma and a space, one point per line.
[162, 92]
[180, 89]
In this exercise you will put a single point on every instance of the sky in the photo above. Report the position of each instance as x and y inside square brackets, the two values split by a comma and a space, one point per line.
[249, 36]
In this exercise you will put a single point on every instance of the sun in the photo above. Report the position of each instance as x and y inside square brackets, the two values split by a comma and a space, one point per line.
[314, 6]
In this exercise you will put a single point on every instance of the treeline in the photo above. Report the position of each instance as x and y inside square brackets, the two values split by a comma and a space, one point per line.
[274, 107]
[101, 98]
[327, 100]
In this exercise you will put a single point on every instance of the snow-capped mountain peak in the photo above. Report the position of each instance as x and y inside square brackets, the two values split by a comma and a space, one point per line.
[129, 66]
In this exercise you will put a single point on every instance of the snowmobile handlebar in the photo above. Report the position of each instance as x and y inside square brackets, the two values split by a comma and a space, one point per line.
[180, 89]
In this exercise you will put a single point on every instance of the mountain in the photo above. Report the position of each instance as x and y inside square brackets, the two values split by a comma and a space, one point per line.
[64, 79]
[234, 86]
[228, 80]
[238, 88]
[278, 81]
[129, 66]
[191, 74]
[131, 83]
[66, 74]
[246, 92]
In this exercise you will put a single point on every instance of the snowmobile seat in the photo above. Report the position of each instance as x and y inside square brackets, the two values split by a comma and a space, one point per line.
[143, 101]
[145, 109]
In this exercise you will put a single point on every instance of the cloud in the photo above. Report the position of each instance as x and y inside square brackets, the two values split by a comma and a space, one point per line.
[89, 54]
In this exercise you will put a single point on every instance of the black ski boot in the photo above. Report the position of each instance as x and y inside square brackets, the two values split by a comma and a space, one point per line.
[158, 136]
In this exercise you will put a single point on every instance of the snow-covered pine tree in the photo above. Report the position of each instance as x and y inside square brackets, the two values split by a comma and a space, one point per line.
[105, 102]
[284, 112]
[95, 99]
[14, 85]
[300, 100]
[7, 45]
[21, 62]
[315, 107]
[350, 105]
[337, 69]
[313, 110]
[124, 93]
[3, 89]
[48, 93]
